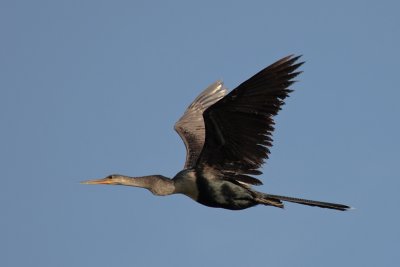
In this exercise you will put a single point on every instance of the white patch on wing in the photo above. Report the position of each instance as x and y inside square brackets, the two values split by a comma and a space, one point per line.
[243, 183]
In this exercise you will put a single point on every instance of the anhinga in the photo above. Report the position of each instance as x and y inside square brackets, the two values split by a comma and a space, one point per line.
[227, 139]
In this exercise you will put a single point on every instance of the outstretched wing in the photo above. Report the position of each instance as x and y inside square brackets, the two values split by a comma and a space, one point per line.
[239, 127]
[190, 126]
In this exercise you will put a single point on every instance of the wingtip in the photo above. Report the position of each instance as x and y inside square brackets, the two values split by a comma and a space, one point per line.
[290, 60]
[292, 57]
[219, 82]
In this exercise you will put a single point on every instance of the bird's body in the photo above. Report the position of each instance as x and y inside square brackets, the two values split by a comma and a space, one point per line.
[213, 191]
[227, 137]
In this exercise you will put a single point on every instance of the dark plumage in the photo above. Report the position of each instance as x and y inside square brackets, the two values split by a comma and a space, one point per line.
[227, 139]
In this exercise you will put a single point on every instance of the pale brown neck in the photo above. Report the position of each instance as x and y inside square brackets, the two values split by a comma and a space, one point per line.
[159, 185]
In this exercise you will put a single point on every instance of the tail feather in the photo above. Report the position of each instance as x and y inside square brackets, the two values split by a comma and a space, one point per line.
[267, 199]
[270, 202]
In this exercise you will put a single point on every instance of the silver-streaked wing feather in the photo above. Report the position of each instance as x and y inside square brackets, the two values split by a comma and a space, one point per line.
[190, 126]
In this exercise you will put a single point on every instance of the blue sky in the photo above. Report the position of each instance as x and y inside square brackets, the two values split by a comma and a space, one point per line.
[90, 88]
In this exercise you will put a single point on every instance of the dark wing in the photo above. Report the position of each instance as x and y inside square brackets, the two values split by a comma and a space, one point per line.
[239, 127]
[190, 126]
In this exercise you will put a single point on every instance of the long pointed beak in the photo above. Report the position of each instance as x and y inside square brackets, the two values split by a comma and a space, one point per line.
[97, 181]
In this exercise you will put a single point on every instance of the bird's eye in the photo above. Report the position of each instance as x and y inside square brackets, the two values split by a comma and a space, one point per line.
[110, 176]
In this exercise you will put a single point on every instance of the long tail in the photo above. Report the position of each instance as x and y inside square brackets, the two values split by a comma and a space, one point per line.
[275, 200]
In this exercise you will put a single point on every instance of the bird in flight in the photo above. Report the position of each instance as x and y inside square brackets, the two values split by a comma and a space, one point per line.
[227, 138]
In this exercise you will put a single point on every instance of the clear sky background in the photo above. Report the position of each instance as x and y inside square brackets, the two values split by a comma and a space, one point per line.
[90, 88]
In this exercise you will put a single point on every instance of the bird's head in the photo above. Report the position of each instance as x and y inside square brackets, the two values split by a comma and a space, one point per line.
[113, 179]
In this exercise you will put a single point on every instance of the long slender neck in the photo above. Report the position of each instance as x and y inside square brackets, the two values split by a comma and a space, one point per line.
[159, 185]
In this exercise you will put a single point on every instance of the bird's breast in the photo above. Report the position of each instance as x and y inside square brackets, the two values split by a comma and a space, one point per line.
[185, 183]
